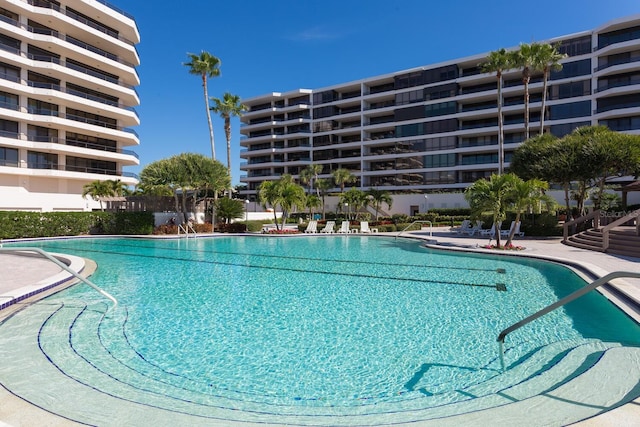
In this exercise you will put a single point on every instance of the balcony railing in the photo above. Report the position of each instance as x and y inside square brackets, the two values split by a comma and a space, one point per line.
[85, 21]
[54, 60]
[69, 39]
[614, 63]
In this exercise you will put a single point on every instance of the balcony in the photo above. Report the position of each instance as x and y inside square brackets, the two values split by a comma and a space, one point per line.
[91, 24]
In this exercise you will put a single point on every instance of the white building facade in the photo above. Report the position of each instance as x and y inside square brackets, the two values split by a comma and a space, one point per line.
[67, 98]
[435, 128]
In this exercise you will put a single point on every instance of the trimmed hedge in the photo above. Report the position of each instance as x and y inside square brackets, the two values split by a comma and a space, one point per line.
[18, 224]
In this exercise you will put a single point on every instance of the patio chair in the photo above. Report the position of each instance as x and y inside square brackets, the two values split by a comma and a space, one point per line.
[344, 227]
[364, 227]
[312, 227]
[491, 232]
[514, 226]
[328, 228]
[477, 228]
[466, 224]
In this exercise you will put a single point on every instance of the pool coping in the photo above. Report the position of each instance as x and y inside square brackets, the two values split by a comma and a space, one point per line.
[619, 292]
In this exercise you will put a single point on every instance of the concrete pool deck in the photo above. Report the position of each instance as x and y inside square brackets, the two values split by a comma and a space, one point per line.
[23, 273]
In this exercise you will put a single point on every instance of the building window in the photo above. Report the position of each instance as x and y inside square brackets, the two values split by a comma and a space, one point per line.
[36, 160]
[7, 72]
[41, 134]
[573, 69]
[568, 111]
[575, 47]
[80, 164]
[618, 36]
[440, 160]
[567, 128]
[8, 157]
[8, 129]
[9, 101]
[35, 106]
[622, 124]
[479, 159]
[441, 109]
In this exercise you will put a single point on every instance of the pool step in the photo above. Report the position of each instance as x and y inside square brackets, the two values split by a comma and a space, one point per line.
[555, 381]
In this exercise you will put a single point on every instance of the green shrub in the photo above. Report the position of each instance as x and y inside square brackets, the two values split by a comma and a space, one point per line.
[17, 224]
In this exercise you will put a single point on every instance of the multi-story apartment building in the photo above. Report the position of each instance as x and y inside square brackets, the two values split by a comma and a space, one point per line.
[67, 98]
[435, 127]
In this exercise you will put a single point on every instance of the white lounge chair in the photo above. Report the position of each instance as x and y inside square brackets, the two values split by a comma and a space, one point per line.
[514, 226]
[329, 226]
[466, 225]
[312, 227]
[364, 227]
[473, 230]
[491, 232]
[344, 227]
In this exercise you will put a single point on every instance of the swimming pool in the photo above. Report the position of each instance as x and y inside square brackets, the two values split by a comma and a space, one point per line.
[303, 330]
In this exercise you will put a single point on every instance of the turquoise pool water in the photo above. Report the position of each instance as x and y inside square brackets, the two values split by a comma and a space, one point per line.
[325, 326]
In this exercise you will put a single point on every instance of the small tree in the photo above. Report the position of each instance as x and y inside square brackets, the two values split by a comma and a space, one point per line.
[229, 209]
[378, 197]
[97, 190]
[491, 196]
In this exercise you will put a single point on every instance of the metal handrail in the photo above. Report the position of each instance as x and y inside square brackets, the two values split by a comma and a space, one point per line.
[575, 295]
[65, 268]
[415, 222]
[186, 228]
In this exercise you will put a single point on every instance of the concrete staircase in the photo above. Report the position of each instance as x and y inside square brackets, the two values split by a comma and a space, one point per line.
[622, 241]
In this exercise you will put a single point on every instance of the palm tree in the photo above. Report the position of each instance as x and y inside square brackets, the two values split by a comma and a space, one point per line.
[117, 187]
[228, 107]
[525, 58]
[283, 192]
[322, 186]
[491, 195]
[309, 175]
[205, 65]
[342, 176]
[97, 190]
[378, 197]
[525, 194]
[547, 60]
[313, 202]
[497, 62]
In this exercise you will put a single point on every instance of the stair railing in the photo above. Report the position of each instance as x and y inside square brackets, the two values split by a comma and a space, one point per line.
[575, 295]
[416, 222]
[606, 229]
[65, 268]
[595, 215]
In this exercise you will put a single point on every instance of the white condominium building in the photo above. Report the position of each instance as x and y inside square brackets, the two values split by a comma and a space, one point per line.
[67, 98]
[435, 127]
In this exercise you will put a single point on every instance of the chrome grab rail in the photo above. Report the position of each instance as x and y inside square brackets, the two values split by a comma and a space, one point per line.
[575, 295]
[415, 222]
[65, 268]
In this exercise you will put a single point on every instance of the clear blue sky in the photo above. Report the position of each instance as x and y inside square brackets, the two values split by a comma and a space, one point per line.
[281, 45]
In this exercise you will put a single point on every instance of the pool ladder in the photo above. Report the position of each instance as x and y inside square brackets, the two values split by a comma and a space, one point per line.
[417, 222]
[575, 295]
[65, 268]
[187, 228]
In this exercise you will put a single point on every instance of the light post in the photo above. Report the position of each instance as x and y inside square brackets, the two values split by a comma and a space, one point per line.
[246, 211]
[346, 213]
[426, 206]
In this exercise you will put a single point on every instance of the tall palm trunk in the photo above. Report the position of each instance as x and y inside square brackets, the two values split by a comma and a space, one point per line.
[227, 133]
[526, 77]
[206, 104]
[544, 98]
[500, 127]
